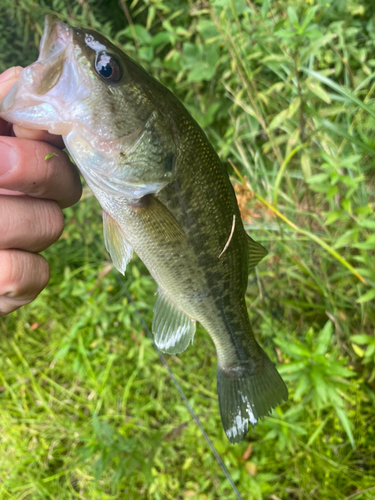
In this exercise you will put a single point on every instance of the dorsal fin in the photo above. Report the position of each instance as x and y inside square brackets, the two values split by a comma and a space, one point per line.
[173, 330]
[256, 252]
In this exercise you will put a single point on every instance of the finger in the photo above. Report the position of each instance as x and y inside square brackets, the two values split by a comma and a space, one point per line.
[20, 213]
[24, 167]
[23, 276]
[7, 80]
[8, 192]
[38, 135]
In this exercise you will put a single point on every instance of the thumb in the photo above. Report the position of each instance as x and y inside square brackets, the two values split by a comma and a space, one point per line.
[8, 79]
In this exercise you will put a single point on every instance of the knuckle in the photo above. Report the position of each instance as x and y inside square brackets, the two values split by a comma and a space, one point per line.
[22, 274]
[52, 222]
[12, 275]
[6, 225]
[44, 273]
[7, 271]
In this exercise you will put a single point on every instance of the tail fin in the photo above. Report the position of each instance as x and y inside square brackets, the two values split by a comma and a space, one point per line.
[246, 394]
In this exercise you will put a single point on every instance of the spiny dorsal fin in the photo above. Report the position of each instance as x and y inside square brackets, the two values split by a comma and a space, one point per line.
[256, 252]
[117, 246]
[173, 330]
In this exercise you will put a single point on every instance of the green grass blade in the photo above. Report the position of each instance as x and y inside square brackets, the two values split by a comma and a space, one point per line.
[312, 237]
[341, 90]
[346, 424]
[282, 168]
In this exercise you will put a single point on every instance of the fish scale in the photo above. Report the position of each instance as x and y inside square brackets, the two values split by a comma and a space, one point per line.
[165, 194]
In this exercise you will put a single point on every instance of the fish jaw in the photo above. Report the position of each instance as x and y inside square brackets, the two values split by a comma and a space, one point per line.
[56, 37]
[47, 87]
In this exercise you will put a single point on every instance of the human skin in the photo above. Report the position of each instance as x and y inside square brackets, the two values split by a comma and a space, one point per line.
[33, 192]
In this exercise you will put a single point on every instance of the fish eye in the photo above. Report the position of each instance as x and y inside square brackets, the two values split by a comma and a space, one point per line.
[108, 67]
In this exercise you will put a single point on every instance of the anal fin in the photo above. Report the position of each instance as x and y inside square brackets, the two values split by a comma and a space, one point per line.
[115, 242]
[173, 330]
[256, 252]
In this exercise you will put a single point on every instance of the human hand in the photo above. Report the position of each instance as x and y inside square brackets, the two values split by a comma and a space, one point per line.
[33, 191]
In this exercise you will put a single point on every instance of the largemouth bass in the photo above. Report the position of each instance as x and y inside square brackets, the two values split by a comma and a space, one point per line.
[165, 194]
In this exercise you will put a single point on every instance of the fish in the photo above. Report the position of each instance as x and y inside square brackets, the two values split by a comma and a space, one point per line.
[165, 195]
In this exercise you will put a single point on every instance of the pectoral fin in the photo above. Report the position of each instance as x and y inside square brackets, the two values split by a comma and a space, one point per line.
[256, 252]
[173, 330]
[117, 246]
[156, 217]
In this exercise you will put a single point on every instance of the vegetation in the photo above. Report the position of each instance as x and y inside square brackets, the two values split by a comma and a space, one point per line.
[284, 90]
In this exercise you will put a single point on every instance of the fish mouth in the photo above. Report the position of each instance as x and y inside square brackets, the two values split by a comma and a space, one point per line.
[38, 100]
[56, 37]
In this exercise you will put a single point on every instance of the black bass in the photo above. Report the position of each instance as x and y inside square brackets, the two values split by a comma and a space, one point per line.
[165, 194]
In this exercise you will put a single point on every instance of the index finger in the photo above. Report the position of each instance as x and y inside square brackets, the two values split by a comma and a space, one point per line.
[39, 170]
[7, 80]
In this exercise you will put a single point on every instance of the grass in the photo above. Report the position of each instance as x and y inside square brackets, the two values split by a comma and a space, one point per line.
[284, 90]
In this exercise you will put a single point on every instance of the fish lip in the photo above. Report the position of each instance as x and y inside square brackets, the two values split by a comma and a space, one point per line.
[56, 37]
[56, 45]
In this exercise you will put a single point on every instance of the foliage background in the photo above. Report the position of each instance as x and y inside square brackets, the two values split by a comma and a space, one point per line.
[284, 90]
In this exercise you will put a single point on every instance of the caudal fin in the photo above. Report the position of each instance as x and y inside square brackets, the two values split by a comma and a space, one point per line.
[247, 393]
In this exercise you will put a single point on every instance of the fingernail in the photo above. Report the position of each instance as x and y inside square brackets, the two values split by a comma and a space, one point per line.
[8, 158]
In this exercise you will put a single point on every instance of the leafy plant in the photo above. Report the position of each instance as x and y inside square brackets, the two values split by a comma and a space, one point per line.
[321, 376]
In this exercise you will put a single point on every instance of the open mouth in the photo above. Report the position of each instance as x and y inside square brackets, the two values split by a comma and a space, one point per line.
[38, 100]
